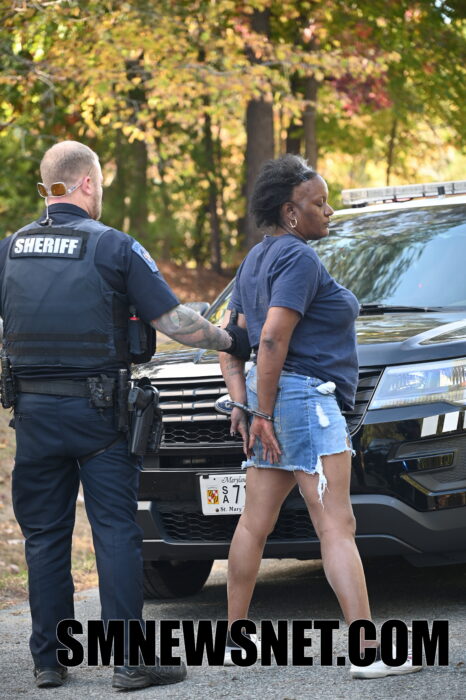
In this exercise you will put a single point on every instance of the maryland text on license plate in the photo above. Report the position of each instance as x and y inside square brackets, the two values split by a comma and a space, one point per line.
[222, 494]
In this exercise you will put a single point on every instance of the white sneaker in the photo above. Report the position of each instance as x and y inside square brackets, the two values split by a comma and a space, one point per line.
[230, 646]
[379, 670]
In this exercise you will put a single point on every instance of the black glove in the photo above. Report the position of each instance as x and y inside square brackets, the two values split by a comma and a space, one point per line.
[240, 346]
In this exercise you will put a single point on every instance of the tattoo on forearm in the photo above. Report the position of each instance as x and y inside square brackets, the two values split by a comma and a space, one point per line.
[188, 327]
[233, 374]
[233, 366]
[230, 372]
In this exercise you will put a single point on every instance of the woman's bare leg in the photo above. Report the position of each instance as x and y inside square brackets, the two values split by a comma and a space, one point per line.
[266, 489]
[334, 524]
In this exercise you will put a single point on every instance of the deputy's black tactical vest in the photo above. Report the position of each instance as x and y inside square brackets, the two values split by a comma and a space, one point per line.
[57, 309]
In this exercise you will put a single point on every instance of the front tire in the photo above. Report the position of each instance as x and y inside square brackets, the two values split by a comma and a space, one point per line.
[174, 579]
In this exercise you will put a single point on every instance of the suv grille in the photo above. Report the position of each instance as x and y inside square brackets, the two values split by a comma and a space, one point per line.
[194, 527]
[198, 432]
[368, 379]
[189, 416]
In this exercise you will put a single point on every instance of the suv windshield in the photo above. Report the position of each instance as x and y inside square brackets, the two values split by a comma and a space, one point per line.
[400, 258]
[413, 257]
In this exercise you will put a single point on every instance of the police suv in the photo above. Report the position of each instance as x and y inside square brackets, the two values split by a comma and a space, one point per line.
[402, 251]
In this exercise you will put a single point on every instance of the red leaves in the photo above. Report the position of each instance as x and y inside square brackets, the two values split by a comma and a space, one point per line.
[371, 92]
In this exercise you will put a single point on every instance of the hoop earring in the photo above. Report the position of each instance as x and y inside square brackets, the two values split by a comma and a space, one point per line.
[293, 222]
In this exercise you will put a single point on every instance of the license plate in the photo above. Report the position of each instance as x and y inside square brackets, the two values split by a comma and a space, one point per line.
[222, 494]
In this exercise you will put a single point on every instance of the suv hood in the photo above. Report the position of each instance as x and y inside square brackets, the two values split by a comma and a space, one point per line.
[401, 326]
[397, 338]
[383, 339]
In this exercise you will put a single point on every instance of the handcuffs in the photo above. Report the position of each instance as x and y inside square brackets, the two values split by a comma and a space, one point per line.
[225, 404]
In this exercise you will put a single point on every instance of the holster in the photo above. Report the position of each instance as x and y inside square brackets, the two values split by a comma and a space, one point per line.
[145, 417]
[122, 401]
[7, 382]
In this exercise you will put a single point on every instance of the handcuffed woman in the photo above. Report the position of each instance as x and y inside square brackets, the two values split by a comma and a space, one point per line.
[301, 323]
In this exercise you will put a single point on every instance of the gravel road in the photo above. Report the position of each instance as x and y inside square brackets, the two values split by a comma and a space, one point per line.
[286, 589]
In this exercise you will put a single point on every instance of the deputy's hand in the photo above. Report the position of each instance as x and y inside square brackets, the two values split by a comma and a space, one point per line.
[263, 429]
[239, 424]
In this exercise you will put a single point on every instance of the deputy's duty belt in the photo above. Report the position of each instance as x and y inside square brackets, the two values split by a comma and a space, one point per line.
[53, 387]
[87, 388]
[137, 403]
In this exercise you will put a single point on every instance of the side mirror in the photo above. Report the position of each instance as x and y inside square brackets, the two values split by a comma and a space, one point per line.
[199, 306]
[224, 404]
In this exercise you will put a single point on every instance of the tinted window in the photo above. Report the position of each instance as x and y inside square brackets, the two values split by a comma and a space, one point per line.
[411, 257]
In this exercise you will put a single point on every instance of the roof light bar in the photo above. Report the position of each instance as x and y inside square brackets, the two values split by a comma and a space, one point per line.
[370, 195]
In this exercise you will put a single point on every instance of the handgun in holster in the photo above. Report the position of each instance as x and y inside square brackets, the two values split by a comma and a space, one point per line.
[145, 417]
[7, 382]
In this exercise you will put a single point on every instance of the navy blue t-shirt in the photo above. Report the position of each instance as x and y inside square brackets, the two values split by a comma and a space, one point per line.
[285, 271]
[123, 263]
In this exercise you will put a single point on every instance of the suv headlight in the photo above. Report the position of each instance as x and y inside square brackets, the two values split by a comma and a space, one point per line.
[429, 382]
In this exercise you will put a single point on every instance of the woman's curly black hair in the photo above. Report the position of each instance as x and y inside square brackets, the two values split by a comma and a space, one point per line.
[274, 186]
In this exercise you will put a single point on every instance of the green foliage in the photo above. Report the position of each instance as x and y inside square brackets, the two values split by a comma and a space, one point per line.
[160, 91]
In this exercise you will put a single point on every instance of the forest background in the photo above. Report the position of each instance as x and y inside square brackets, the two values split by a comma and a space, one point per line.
[183, 101]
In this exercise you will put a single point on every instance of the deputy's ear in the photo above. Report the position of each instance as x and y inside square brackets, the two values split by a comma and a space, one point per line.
[88, 185]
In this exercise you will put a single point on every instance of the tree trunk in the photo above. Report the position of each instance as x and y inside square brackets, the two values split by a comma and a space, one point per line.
[166, 216]
[293, 138]
[309, 120]
[259, 135]
[197, 251]
[137, 209]
[215, 234]
[114, 198]
[295, 130]
[303, 140]
[259, 148]
[391, 151]
[137, 155]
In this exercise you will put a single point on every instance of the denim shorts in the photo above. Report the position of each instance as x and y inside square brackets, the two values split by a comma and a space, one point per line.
[308, 425]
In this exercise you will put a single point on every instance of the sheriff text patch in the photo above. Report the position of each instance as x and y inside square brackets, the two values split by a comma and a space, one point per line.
[50, 245]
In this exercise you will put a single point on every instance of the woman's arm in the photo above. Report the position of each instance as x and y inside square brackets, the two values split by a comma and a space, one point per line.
[273, 348]
[233, 373]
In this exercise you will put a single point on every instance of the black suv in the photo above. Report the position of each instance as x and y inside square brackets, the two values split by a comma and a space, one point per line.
[405, 260]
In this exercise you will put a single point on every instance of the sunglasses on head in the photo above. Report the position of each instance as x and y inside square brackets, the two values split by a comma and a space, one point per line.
[58, 189]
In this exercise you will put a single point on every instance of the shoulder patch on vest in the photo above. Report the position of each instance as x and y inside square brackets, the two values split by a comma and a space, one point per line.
[142, 252]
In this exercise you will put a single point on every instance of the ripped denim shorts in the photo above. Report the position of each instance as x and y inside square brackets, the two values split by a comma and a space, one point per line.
[307, 423]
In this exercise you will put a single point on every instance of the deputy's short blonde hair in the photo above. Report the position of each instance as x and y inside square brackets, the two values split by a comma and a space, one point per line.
[67, 162]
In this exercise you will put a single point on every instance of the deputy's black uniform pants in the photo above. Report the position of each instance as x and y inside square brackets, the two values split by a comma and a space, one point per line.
[52, 434]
